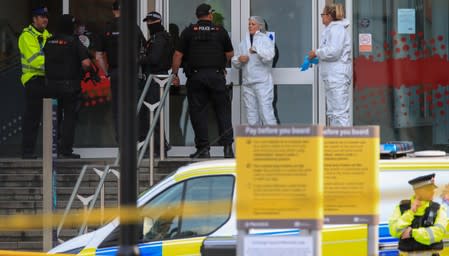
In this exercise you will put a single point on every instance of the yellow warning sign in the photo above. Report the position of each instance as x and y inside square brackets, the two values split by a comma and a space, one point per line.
[351, 175]
[279, 177]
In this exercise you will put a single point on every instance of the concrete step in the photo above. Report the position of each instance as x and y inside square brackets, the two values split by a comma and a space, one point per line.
[21, 246]
[21, 192]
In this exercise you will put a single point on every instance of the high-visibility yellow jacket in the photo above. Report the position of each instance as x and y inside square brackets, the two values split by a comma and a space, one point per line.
[31, 45]
[425, 235]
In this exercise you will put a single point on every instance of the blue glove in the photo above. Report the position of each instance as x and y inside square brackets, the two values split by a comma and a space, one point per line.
[308, 63]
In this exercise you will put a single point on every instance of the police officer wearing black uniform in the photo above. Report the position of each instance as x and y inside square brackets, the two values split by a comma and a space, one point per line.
[206, 49]
[157, 59]
[65, 59]
[107, 56]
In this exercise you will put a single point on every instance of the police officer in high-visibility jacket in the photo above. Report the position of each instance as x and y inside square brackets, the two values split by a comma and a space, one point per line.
[420, 223]
[65, 60]
[31, 44]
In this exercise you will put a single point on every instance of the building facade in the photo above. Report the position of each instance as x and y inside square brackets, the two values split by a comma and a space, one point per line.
[401, 68]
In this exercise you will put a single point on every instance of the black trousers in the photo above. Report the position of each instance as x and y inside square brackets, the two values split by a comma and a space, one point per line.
[204, 86]
[67, 93]
[152, 96]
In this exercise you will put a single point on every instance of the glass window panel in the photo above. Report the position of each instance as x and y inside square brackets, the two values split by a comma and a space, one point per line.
[182, 13]
[162, 215]
[212, 198]
[291, 20]
[94, 127]
[288, 97]
[93, 14]
[402, 84]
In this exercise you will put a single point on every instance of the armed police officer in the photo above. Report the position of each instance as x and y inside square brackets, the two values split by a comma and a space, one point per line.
[107, 57]
[206, 49]
[157, 60]
[65, 60]
[31, 43]
[420, 223]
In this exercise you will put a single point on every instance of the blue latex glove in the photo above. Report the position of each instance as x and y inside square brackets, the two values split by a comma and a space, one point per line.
[308, 63]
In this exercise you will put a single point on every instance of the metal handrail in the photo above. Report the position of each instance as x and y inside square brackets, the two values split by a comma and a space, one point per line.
[76, 189]
[156, 115]
[94, 199]
[144, 93]
[107, 168]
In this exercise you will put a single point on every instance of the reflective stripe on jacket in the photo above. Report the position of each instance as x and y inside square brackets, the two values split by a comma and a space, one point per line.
[31, 43]
[424, 235]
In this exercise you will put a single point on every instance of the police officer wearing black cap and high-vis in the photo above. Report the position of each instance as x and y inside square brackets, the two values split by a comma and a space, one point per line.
[31, 42]
[66, 60]
[107, 56]
[420, 223]
[206, 49]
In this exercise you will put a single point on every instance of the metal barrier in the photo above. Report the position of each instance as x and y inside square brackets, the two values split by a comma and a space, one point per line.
[164, 82]
[106, 170]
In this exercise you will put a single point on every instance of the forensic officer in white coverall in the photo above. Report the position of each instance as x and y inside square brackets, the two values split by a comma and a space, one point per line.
[255, 57]
[334, 54]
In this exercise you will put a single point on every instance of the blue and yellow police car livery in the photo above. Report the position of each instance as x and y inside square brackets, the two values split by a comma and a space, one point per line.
[167, 229]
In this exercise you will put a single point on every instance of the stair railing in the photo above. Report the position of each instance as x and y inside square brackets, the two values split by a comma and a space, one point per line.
[163, 81]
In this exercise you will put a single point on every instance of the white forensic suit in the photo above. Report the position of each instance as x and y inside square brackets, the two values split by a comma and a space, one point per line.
[257, 80]
[334, 54]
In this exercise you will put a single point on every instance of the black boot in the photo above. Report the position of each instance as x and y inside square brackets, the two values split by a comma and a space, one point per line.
[228, 152]
[201, 153]
[68, 156]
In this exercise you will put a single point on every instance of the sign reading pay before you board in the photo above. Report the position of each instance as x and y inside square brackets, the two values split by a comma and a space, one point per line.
[280, 177]
[283, 171]
[351, 175]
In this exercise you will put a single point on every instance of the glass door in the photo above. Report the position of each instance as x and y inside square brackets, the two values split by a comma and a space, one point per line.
[94, 131]
[179, 15]
[294, 24]
[296, 27]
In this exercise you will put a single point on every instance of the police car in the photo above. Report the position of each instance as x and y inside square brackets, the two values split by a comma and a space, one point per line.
[166, 231]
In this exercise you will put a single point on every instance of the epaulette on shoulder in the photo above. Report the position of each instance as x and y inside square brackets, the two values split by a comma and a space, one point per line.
[405, 201]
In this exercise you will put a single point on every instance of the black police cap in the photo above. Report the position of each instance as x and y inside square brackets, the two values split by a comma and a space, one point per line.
[422, 181]
[152, 16]
[203, 10]
[116, 5]
[40, 11]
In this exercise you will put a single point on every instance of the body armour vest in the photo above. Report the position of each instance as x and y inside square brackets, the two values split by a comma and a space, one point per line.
[61, 59]
[427, 220]
[111, 38]
[206, 49]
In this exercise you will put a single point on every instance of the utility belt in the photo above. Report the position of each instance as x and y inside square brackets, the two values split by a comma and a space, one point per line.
[217, 70]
